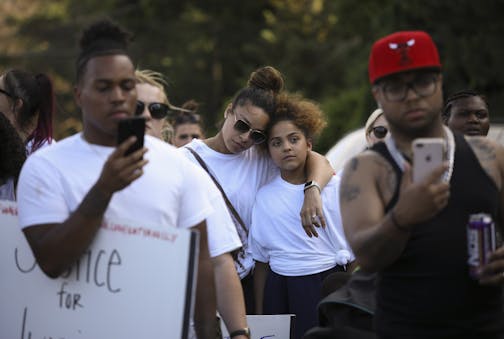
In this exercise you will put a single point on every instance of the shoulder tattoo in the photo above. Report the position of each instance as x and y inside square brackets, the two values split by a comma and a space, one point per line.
[349, 191]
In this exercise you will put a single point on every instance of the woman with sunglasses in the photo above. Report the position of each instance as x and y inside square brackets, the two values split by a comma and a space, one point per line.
[376, 127]
[153, 103]
[27, 102]
[187, 126]
[241, 169]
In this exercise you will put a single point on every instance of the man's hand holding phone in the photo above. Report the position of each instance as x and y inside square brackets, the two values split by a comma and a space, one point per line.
[126, 163]
[423, 193]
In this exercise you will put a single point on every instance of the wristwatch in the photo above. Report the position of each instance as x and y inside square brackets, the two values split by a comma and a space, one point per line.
[310, 184]
[243, 331]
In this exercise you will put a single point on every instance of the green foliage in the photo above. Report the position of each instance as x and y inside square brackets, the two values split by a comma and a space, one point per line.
[208, 48]
[344, 112]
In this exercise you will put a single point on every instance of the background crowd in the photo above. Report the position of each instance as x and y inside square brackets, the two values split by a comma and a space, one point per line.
[207, 49]
[264, 146]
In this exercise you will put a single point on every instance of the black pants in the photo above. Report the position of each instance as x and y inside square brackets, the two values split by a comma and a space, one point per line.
[299, 295]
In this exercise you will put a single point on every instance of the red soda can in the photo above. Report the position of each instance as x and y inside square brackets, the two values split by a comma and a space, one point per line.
[480, 241]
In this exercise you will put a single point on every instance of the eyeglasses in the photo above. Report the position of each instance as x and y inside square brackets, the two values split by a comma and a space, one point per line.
[379, 131]
[6, 93]
[192, 136]
[423, 85]
[255, 135]
[157, 110]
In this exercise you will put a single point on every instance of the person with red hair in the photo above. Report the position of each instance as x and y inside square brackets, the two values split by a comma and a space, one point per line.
[27, 100]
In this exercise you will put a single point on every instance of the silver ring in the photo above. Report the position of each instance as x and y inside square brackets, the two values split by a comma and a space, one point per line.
[314, 216]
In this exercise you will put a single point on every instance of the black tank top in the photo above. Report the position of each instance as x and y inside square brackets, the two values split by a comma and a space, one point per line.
[427, 292]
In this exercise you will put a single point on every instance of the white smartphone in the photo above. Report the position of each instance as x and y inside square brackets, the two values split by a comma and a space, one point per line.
[428, 153]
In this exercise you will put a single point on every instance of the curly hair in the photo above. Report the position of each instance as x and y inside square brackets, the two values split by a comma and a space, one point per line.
[12, 152]
[303, 113]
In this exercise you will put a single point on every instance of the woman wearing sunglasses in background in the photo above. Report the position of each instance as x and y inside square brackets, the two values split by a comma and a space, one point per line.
[153, 103]
[376, 127]
[187, 125]
[241, 169]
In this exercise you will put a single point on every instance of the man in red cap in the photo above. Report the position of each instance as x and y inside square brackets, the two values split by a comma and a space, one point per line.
[414, 234]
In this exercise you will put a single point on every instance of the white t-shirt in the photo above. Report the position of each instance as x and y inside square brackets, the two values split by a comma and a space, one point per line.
[277, 236]
[240, 175]
[222, 234]
[54, 181]
[46, 143]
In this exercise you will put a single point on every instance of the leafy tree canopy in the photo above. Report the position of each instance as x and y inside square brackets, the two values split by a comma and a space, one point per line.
[208, 48]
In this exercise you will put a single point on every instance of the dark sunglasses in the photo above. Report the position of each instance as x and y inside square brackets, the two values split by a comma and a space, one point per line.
[157, 110]
[6, 93]
[255, 135]
[380, 131]
[192, 136]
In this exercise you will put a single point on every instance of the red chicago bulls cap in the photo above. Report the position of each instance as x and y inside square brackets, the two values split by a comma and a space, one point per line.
[400, 52]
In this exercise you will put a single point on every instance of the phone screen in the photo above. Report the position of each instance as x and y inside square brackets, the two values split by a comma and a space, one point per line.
[128, 127]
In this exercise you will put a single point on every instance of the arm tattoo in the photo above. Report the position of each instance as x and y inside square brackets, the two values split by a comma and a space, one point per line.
[349, 192]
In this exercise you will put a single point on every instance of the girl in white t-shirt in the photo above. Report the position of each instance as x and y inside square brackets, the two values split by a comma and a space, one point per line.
[290, 267]
[241, 168]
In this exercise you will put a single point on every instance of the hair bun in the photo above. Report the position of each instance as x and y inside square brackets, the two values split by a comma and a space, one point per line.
[104, 34]
[267, 78]
[191, 105]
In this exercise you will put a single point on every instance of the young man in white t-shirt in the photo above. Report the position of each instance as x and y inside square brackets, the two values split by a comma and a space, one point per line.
[66, 192]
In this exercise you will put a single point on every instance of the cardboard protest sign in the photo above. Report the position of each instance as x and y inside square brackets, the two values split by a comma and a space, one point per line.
[133, 282]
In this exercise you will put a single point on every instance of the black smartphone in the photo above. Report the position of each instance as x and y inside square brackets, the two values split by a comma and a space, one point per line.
[128, 127]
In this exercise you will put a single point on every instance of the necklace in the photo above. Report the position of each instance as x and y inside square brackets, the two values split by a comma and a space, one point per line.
[449, 147]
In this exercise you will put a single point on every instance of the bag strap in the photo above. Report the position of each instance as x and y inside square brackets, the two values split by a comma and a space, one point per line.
[228, 203]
